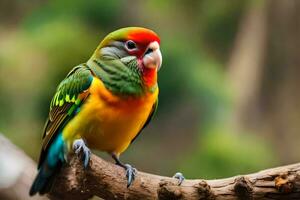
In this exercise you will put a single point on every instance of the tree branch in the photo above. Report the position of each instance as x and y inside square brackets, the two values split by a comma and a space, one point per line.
[17, 172]
[106, 180]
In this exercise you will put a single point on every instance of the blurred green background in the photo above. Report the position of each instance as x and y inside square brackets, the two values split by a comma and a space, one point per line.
[229, 84]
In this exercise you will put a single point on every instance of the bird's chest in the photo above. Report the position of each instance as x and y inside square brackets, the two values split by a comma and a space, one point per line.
[110, 125]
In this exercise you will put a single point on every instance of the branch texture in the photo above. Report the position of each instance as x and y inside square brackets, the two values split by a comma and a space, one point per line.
[107, 181]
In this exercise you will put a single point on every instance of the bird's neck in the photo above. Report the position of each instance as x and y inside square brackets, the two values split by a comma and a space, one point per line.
[123, 80]
[149, 77]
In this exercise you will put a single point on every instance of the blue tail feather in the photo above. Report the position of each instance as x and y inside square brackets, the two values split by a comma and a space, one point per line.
[49, 167]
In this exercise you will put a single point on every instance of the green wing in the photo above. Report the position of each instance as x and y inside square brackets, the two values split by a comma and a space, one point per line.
[150, 117]
[70, 94]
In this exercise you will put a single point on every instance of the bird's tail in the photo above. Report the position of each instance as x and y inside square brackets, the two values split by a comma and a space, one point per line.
[50, 166]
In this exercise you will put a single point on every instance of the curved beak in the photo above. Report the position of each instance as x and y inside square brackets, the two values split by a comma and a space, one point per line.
[152, 58]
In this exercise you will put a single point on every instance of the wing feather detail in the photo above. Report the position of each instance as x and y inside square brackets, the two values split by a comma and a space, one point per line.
[69, 96]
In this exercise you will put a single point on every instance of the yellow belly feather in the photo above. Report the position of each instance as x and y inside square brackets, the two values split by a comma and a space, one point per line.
[108, 122]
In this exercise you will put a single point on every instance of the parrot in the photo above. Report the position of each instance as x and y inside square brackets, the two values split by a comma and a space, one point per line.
[102, 104]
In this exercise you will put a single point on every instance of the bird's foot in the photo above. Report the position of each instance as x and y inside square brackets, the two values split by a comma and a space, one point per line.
[180, 177]
[80, 146]
[130, 171]
[130, 174]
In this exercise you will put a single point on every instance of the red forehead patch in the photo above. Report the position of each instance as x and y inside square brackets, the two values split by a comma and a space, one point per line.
[143, 36]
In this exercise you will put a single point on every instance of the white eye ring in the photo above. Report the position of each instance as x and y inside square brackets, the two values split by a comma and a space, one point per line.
[130, 45]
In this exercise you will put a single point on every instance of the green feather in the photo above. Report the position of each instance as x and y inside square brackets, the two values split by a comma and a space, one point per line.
[120, 78]
[78, 80]
[68, 98]
[65, 102]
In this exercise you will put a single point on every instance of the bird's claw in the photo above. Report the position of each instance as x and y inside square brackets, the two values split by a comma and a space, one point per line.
[130, 171]
[130, 174]
[80, 146]
[180, 177]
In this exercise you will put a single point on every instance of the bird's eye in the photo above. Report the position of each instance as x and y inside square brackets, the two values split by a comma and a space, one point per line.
[130, 45]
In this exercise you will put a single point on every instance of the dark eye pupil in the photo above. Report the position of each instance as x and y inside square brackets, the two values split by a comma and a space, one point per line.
[131, 45]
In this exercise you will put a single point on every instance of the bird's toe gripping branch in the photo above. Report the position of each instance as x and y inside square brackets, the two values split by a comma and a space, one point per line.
[180, 177]
[130, 174]
[80, 146]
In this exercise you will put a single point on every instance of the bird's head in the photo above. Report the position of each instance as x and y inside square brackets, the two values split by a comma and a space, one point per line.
[136, 44]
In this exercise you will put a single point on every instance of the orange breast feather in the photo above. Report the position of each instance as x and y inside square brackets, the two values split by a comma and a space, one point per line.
[108, 122]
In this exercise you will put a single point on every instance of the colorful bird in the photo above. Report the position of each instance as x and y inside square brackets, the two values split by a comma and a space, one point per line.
[102, 104]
